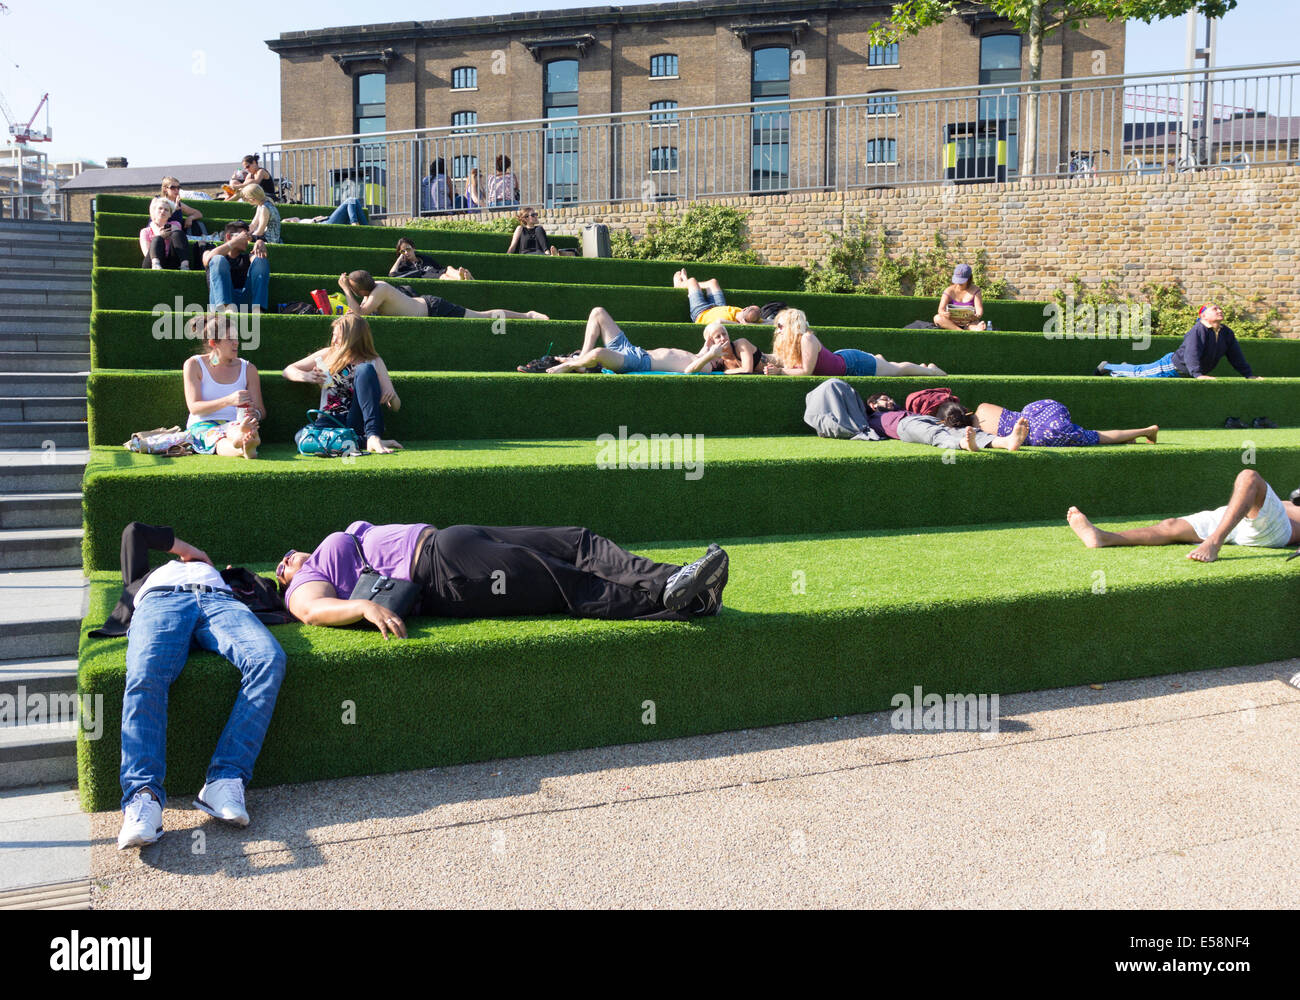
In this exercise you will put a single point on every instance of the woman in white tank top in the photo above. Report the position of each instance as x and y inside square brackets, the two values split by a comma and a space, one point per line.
[223, 393]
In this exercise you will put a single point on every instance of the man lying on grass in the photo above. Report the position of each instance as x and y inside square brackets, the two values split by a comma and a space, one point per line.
[469, 571]
[1254, 515]
[619, 354]
[369, 297]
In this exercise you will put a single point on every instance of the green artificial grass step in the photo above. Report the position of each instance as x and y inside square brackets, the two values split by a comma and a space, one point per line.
[288, 258]
[814, 626]
[134, 288]
[137, 206]
[510, 405]
[134, 339]
[626, 487]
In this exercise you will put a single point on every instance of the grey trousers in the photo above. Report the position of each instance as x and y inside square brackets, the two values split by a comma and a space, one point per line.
[928, 430]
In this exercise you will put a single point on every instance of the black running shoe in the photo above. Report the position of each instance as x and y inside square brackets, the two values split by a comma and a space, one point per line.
[1263, 422]
[538, 364]
[690, 581]
[1234, 424]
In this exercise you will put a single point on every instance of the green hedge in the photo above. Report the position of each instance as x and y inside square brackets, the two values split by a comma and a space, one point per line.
[841, 485]
[293, 259]
[321, 234]
[1001, 609]
[212, 208]
[133, 288]
[125, 339]
[488, 406]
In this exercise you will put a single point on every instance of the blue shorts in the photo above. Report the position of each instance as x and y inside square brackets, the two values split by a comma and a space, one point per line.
[634, 358]
[700, 301]
[858, 362]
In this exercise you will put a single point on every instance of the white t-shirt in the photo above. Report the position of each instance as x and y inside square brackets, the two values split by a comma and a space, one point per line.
[181, 574]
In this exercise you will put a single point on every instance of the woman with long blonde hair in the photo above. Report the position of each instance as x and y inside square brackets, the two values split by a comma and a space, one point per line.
[354, 382]
[797, 351]
[184, 216]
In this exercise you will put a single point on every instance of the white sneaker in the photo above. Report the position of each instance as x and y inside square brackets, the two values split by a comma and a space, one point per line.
[1295, 681]
[143, 822]
[224, 799]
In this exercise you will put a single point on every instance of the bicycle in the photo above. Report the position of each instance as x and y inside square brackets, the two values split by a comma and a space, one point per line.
[1082, 162]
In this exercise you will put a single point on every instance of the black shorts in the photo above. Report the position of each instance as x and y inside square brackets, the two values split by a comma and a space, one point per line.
[441, 307]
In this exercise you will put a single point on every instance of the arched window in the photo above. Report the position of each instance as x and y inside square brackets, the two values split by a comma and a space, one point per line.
[882, 102]
[663, 65]
[464, 78]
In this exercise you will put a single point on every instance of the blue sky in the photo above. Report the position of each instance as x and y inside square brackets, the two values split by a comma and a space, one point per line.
[185, 83]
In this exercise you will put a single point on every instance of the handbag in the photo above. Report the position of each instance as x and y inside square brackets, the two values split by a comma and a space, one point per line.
[321, 439]
[397, 596]
[169, 441]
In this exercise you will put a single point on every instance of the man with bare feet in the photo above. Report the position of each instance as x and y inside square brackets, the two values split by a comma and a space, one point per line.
[369, 297]
[620, 355]
[1254, 515]
[709, 305]
[888, 419]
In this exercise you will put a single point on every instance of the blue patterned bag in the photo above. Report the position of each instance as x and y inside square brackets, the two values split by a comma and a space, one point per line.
[326, 436]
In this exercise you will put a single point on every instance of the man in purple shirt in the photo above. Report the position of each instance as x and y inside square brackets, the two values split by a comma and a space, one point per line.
[471, 571]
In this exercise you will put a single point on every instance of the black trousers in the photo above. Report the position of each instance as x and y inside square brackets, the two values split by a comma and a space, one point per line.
[471, 571]
[170, 250]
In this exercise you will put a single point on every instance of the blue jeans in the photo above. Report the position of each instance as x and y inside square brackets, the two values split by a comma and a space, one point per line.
[350, 211]
[366, 416]
[1164, 368]
[256, 290]
[858, 362]
[699, 300]
[158, 643]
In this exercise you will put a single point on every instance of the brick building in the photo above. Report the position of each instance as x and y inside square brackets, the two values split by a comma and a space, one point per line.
[654, 60]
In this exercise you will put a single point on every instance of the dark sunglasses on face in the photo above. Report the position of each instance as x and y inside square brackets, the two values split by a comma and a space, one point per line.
[280, 568]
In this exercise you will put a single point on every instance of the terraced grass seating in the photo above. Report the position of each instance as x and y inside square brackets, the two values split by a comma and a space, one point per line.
[759, 481]
[133, 288]
[494, 266]
[1027, 615]
[487, 406]
[127, 339]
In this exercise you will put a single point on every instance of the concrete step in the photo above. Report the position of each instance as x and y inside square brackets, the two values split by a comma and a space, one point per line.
[44, 361]
[40, 510]
[14, 228]
[44, 676]
[47, 248]
[40, 548]
[50, 313]
[44, 324]
[44, 434]
[23, 384]
[34, 755]
[41, 613]
[44, 280]
[27, 341]
[43, 408]
[60, 302]
[32, 265]
[45, 852]
[38, 471]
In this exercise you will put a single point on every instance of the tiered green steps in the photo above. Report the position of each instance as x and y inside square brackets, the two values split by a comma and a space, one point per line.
[858, 570]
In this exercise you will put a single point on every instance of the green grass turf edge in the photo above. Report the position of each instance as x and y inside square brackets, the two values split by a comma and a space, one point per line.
[763, 486]
[134, 339]
[456, 406]
[1003, 610]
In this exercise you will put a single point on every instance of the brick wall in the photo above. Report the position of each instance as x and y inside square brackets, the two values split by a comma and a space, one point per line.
[1239, 231]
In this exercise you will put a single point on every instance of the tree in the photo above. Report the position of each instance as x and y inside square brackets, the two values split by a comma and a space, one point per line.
[1037, 19]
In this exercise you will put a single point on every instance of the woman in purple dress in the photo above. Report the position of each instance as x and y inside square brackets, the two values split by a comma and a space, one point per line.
[1050, 425]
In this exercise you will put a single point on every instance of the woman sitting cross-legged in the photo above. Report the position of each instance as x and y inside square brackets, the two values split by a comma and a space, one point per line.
[354, 382]
[797, 351]
[223, 392]
[1050, 425]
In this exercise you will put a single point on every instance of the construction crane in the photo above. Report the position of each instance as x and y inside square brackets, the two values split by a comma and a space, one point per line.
[24, 133]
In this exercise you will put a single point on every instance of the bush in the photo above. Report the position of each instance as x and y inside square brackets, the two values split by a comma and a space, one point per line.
[504, 222]
[1172, 315]
[862, 262]
[712, 233]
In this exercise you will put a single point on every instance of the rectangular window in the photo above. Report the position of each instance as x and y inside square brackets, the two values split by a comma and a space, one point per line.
[463, 120]
[560, 100]
[464, 78]
[663, 158]
[882, 104]
[882, 150]
[770, 128]
[462, 165]
[663, 65]
[883, 55]
[663, 111]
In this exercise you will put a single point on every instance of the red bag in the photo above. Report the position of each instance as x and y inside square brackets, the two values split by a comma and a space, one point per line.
[926, 401]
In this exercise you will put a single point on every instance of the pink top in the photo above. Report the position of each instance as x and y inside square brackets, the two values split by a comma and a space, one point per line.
[830, 363]
[149, 232]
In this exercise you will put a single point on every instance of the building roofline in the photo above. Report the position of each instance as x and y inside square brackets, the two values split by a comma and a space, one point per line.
[682, 10]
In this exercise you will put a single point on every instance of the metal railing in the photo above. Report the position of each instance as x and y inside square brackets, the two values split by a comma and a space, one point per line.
[1222, 119]
[50, 205]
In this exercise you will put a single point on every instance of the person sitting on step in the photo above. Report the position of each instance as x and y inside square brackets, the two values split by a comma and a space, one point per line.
[222, 391]
[238, 275]
[369, 297]
[162, 242]
[412, 264]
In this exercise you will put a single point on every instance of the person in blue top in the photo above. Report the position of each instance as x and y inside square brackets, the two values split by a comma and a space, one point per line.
[1207, 343]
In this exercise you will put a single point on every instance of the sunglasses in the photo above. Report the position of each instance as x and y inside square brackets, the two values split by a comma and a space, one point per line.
[282, 565]
[173, 187]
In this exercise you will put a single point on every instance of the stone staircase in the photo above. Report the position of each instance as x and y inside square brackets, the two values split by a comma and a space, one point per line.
[44, 359]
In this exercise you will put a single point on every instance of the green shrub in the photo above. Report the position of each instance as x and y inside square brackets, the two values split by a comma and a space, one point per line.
[504, 222]
[713, 233]
[1172, 315]
[862, 261]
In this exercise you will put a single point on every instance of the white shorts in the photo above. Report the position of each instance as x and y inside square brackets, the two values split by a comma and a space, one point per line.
[1270, 529]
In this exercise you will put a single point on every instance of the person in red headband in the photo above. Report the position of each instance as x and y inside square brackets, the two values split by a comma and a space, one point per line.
[1207, 343]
